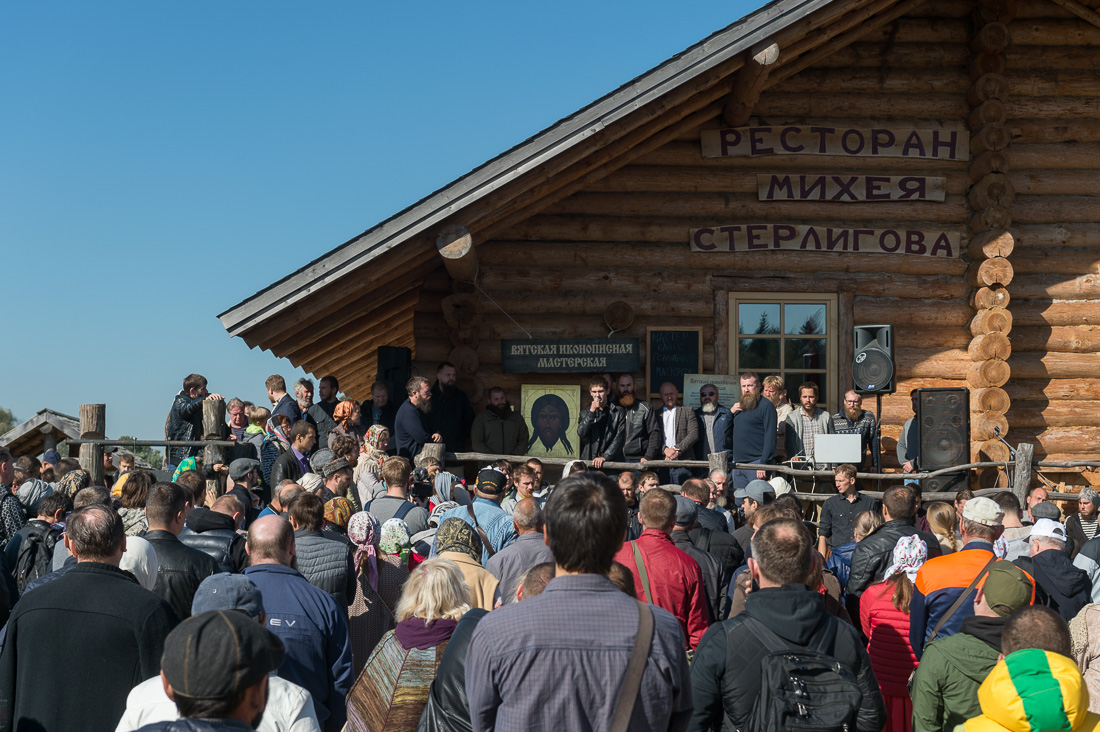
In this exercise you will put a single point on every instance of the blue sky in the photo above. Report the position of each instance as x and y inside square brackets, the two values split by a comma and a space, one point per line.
[163, 161]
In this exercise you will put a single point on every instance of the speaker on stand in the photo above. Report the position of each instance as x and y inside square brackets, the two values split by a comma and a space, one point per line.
[873, 373]
[943, 429]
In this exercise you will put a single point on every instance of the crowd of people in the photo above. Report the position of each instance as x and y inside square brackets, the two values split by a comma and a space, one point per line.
[330, 575]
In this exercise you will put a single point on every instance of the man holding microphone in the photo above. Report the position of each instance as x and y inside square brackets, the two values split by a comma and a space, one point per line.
[600, 428]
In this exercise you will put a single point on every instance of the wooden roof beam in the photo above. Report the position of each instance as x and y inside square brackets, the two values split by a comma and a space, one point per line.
[749, 82]
[1081, 11]
[456, 246]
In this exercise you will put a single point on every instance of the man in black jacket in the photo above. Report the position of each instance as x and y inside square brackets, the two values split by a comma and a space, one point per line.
[875, 552]
[293, 463]
[1058, 583]
[641, 428]
[75, 646]
[181, 569]
[412, 428]
[452, 414]
[600, 427]
[726, 672]
[213, 531]
[686, 513]
[185, 417]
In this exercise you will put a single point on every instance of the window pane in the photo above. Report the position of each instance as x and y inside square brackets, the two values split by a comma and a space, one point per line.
[804, 353]
[793, 380]
[757, 318]
[758, 353]
[804, 319]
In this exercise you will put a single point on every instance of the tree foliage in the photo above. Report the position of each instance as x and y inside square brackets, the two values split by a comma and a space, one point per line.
[7, 420]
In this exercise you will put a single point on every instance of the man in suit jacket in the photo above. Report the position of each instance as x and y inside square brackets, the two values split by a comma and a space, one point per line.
[715, 424]
[680, 431]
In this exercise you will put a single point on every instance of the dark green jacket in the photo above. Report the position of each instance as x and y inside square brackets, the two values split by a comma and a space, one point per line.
[945, 689]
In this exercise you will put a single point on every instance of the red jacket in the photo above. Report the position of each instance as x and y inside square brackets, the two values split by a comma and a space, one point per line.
[675, 581]
[888, 628]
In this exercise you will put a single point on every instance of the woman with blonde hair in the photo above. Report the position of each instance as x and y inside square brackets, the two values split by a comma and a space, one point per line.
[391, 692]
[944, 523]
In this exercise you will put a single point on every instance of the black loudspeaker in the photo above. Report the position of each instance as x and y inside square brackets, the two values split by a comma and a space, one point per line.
[873, 362]
[943, 419]
[395, 368]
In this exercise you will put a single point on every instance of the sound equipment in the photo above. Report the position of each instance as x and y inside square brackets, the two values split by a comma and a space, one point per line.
[943, 419]
[873, 362]
[395, 368]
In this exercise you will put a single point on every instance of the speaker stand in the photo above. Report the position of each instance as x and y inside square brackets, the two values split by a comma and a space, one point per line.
[876, 451]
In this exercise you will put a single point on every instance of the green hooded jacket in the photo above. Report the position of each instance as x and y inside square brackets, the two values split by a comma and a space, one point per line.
[945, 689]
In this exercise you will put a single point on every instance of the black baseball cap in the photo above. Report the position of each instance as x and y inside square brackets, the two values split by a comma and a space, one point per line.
[216, 654]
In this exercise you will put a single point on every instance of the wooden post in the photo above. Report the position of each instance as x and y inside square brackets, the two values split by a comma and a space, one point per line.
[718, 461]
[213, 428]
[1021, 475]
[456, 246]
[749, 83]
[93, 423]
[431, 449]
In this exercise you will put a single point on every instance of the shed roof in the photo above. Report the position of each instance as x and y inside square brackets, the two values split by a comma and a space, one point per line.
[336, 297]
[29, 437]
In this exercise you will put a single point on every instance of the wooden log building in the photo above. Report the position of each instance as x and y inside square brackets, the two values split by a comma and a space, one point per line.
[927, 164]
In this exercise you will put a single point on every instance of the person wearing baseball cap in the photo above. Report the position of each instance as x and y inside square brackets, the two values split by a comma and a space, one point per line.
[244, 484]
[942, 579]
[289, 706]
[945, 687]
[749, 499]
[1059, 584]
[485, 514]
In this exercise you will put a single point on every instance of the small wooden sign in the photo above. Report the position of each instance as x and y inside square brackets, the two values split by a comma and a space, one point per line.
[572, 355]
[671, 353]
[849, 188]
[762, 237]
[874, 142]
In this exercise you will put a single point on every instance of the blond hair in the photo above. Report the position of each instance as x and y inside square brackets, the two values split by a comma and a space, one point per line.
[866, 522]
[943, 520]
[435, 589]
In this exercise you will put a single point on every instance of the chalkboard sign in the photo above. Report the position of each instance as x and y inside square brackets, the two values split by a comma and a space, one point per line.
[671, 353]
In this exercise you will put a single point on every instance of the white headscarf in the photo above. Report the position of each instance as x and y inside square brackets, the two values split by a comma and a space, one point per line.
[140, 559]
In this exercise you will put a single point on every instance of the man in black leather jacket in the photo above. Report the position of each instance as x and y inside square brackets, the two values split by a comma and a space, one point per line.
[213, 531]
[185, 417]
[875, 552]
[181, 569]
[726, 671]
[641, 428]
[600, 427]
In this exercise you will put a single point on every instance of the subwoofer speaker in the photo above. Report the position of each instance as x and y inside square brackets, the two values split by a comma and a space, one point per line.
[873, 362]
[943, 419]
[395, 368]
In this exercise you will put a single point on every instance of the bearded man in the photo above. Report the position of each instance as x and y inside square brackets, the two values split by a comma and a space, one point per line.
[715, 424]
[452, 414]
[412, 430]
[643, 429]
[854, 420]
[499, 430]
[754, 430]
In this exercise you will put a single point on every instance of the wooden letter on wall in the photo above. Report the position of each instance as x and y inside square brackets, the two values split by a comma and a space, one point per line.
[876, 142]
[798, 237]
[848, 188]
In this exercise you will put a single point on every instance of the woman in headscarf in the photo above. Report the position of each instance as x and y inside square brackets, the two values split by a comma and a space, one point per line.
[884, 614]
[458, 541]
[140, 560]
[396, 544]
[390, 693]
[378, 582]
[275, 444]
[422, 541]
[368, 472]
[73, 482]
[338, 511]
[347, 415]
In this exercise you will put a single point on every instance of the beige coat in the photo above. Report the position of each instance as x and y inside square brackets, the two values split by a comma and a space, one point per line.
[483, 585]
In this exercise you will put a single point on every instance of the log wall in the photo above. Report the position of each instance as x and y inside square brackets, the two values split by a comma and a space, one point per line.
[625, 236]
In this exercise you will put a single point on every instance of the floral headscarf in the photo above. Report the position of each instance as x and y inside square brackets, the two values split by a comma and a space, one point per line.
[372, 444]
[188, 463]
[276, 431]
[338, 510]
[455, 535]
[73, 482]
[342, 413]
[395, 539]
[365, 531]
[909, 554]
[1000, 548]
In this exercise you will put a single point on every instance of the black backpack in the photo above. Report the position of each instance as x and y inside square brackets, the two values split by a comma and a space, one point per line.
[35, 556]
[803, 689]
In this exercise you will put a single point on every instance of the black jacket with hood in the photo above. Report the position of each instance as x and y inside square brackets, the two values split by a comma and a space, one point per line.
[725, 674]
[215, 534]
[875, 553]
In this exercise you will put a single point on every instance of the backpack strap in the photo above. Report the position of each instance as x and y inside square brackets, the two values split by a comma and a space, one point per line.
[487, 545]
[402, 512]
[960, 599]
[632, 680]
[648, 595]
[771, 642]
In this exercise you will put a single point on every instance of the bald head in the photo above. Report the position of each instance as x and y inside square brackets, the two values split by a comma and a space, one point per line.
[527, 516]
[270, 541]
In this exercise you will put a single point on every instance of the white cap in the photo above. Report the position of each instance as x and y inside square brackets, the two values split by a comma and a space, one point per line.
[1049, 528]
